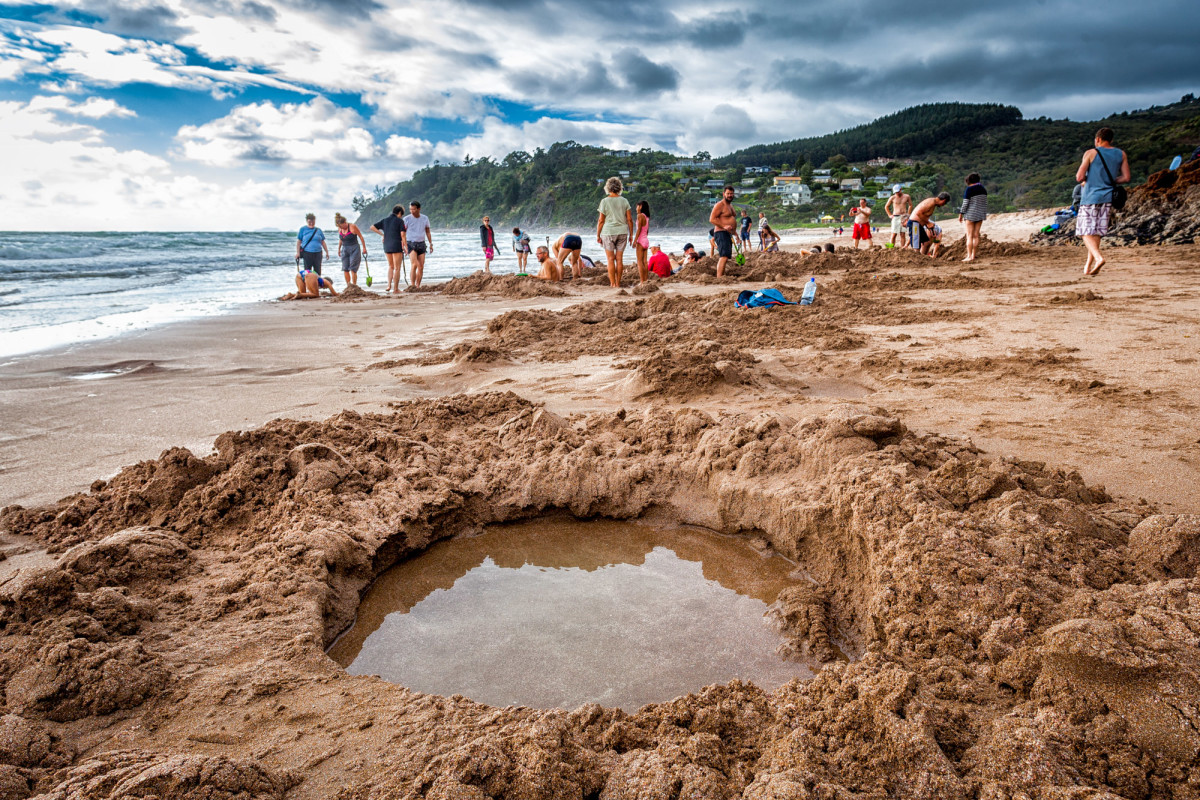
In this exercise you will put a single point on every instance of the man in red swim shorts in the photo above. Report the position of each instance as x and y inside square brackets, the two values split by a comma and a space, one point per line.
[862, 224]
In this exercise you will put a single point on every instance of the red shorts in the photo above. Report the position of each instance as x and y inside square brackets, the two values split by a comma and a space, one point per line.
[862, 230]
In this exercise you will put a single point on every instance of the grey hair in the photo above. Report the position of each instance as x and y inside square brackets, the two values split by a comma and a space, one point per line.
[543, 248]
[613, 185]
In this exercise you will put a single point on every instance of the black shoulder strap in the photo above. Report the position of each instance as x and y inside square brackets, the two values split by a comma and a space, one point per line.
[309, 239]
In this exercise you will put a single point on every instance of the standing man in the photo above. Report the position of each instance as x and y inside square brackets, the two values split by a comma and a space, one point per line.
[310, 241]
[898, 207]
[724, 222]
[745, 230]
[392, 231]
[920, 224]
[417, 234]
[487, 238]
[861, 232]
[1098, 177]
[762, 223]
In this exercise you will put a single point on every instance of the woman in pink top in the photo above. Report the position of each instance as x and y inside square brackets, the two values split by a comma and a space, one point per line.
[641, 242]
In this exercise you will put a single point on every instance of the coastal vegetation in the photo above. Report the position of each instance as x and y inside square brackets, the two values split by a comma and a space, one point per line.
[1026, 163]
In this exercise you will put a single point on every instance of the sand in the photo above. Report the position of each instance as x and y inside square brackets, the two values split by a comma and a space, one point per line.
[989, 473]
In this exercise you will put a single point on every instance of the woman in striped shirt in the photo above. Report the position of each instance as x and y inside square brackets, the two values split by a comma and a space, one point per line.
[973, 212]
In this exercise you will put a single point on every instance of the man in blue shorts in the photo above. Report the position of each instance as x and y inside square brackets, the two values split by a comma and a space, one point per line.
[745, 230]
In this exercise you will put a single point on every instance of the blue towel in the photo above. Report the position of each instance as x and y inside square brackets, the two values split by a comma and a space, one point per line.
[766, 297]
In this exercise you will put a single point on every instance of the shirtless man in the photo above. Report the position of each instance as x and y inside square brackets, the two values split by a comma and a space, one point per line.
[920, 224]
[898, 207]
[861, 232]
[550, 271]
[569, 244]
[724, 222]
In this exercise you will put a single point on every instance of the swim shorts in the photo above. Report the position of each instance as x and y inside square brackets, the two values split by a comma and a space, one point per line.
[614, 243]
[489, 253]
[745, 235]
[724, 240]
[416, 247]
[1092, 220]
[312, 261]
[917, 235]
[862, 230]
[572, 243]
[899, 222]
[351, 258]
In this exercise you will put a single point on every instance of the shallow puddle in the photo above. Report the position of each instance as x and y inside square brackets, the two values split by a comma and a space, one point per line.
[557, 613]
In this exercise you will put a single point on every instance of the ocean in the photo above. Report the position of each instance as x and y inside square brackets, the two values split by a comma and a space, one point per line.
[63, 288]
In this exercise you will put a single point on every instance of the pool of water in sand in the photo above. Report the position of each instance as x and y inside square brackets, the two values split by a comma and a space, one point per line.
[557, 613]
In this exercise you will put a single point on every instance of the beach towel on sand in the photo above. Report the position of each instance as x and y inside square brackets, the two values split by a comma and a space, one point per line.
[765, 297]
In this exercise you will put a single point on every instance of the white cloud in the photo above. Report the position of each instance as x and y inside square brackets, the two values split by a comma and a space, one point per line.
[312, 133]
[409, 150]
[92, 108]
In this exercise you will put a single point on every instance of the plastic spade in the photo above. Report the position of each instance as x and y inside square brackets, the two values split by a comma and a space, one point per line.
[368, 268]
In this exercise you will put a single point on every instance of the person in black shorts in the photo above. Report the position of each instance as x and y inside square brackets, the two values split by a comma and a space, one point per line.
[393, 232]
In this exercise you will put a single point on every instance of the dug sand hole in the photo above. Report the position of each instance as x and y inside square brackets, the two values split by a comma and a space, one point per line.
[559, 612]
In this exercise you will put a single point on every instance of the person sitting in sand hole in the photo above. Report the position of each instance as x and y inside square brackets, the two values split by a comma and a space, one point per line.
[569, 245]
[309, 284]
[551, 270]
[659, 263]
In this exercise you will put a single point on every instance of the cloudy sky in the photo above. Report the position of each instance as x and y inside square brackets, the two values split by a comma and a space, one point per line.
[242, 114]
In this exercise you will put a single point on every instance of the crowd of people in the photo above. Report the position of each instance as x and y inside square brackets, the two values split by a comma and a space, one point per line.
[619, 225]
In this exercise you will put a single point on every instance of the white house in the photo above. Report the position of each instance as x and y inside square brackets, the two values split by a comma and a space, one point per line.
[791, 193]
[851, 183]
[879, 179]
[715, 184]
[685, 163]
[757, 170]
[883, 194]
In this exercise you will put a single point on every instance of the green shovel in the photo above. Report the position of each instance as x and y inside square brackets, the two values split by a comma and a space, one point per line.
[367, 266]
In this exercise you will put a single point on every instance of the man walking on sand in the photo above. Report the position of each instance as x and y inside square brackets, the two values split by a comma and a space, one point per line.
[724, 222]
[920, 224]
[418, 235]
[1098, 177]
[898, 207]
[861, 232]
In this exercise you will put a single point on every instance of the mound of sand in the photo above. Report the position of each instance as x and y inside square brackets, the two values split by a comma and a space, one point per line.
[1163, 210]
[1015, 632]
[356, 294]
[515, 287]
[692, 369]
[987, 249]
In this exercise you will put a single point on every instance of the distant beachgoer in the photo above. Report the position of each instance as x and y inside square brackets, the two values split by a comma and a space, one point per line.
[1076, 198]
[724, 222]
[972, 213]
[712, 241]
[349, 238]
[394, 244]
[310, 241]
[935, 240]
[659, 263]
[1098, 176]
[762, 223]
[420, 240]
[861, 231]
[920, 222]
[551, 270]
[745, 231]
[521, 248]
[487, 239]
[690, 254]
[841, 231]
[614, 228]
[770, 239]
[569, 245]
[641, 241]
[309, 284]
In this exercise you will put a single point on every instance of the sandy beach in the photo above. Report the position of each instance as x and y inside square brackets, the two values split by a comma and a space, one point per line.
[987, 472]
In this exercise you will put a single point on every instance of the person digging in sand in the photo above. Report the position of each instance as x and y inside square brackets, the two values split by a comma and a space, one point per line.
[569, 245]
[551, 270]
[1098, 177]
[309, 285]
[920, 223]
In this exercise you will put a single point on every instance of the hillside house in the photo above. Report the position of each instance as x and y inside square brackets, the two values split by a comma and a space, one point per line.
[714, 184]
[756, 170]
[883, 194]
[618, 153]
[852, 184]
[791, 193]
[685, 163]
[879, 179]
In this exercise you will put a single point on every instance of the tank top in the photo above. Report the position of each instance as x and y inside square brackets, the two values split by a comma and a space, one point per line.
[349, 238]
[1098, 188]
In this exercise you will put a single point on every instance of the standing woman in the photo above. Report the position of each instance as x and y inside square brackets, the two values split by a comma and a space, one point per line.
[641, 242]
[310, 241]
[1098, 177]
[521, 248]
[394, 242]
[614, 229]
[349, 238]
[487, 239]
[972, 213]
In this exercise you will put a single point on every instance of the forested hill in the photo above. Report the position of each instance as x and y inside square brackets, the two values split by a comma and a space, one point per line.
[1025, 163]
[906, 133]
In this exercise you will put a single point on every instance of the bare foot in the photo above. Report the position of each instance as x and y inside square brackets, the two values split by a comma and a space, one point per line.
[1097, 267]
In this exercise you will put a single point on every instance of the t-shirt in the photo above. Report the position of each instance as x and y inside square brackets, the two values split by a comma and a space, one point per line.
[660, 265]
[310, 239]
[416, 227]
[392, 227]
[745, 224]
[613, 209]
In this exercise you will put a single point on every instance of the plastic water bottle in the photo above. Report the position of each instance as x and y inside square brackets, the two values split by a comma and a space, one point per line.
[810, 292]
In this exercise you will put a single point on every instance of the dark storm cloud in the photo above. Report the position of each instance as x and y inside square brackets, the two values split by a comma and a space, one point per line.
[643, 75]
[140, 21]
[250, 9]
[593, 78]
[725, 30]
[262, 153]
[340, 9]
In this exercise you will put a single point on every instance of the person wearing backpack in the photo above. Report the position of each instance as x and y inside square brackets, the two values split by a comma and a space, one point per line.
[310, 241]
[1103, 169]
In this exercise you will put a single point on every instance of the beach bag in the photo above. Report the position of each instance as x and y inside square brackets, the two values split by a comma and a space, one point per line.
[762, 299]
[1119, 195]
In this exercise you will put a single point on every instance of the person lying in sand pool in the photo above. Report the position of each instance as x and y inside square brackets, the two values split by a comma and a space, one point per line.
[309, 284]
[569, 245]
[550, 271]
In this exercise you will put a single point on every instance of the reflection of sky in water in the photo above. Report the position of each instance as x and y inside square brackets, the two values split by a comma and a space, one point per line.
[621, 635]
